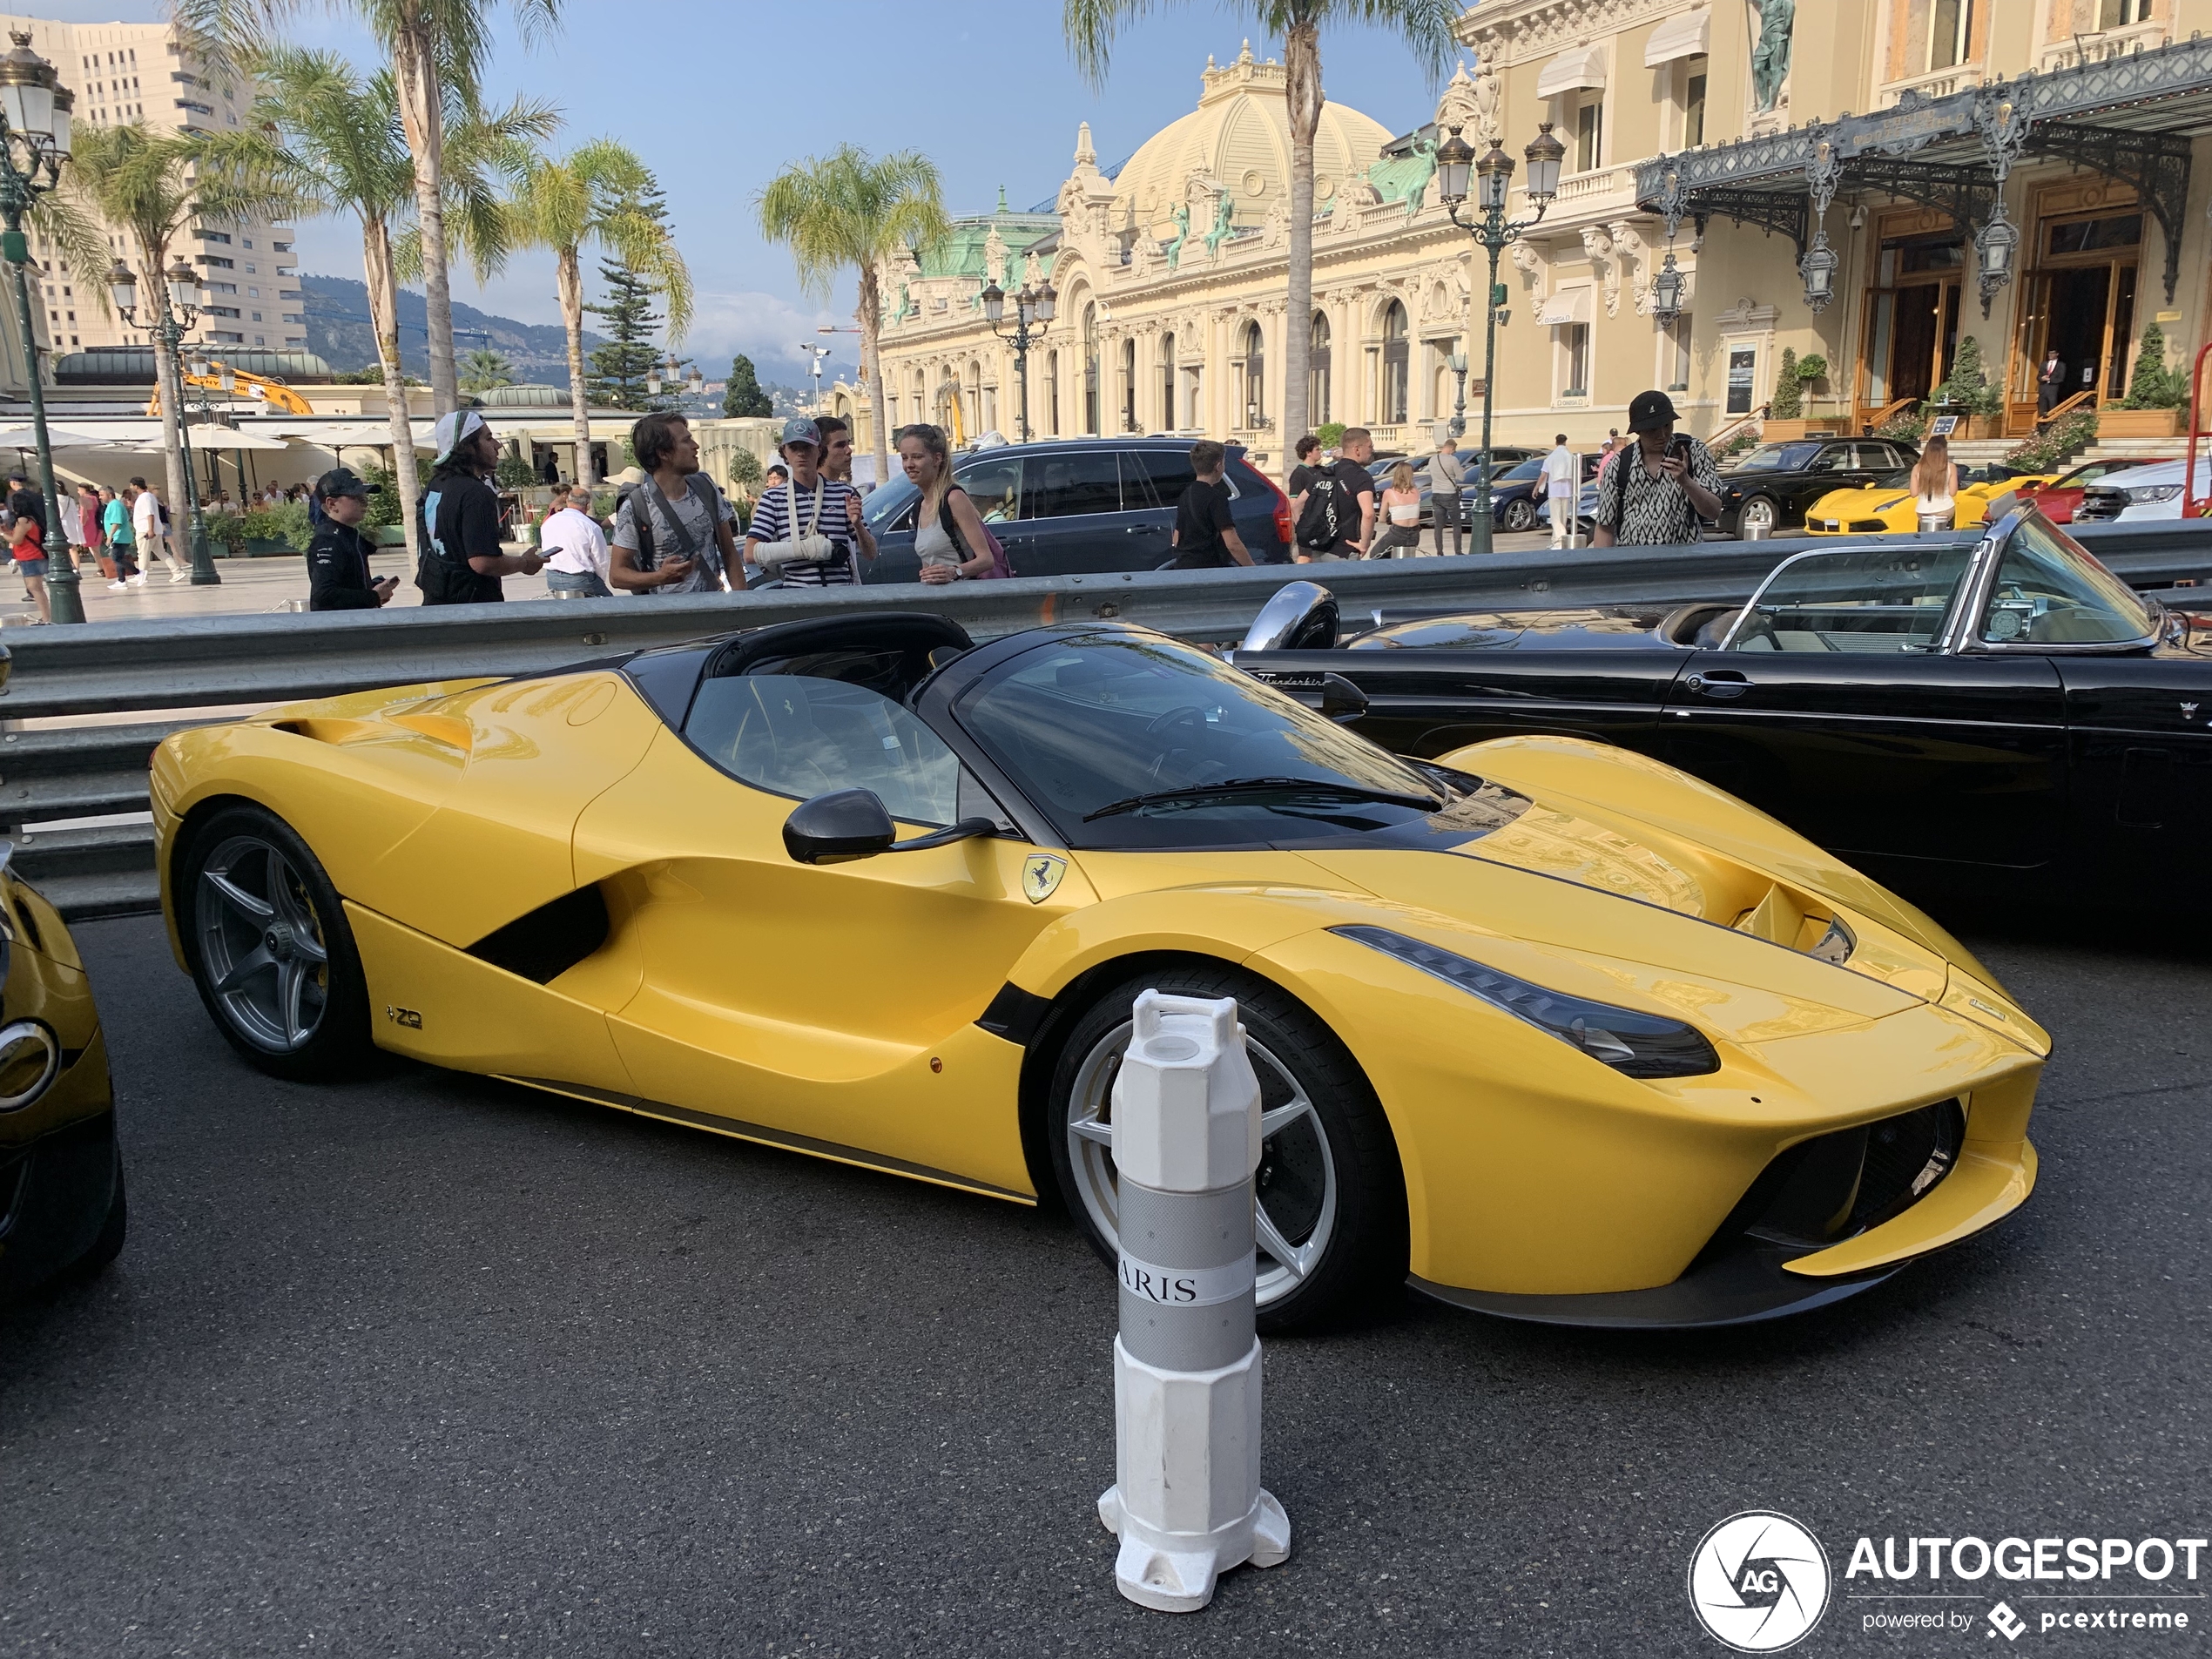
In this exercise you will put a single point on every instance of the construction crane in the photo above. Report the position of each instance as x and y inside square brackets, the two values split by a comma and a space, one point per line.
[222, 378]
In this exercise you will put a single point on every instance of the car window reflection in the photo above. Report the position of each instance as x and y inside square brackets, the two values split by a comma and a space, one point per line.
[795, 735]
[2047, 592]
[1857, 599]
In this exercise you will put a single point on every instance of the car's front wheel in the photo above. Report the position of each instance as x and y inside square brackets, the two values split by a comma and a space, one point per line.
[269, 948]
[1520, 514]
[1331, 1214]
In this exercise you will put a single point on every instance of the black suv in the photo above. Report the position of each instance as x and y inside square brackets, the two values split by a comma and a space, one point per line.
[1069, 507]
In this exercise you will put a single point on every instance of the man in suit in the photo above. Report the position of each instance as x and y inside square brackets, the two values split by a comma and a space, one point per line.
[2050, 382]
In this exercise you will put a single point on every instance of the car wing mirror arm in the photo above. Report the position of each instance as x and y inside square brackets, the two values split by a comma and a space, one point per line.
[965, 830]
[849, 824]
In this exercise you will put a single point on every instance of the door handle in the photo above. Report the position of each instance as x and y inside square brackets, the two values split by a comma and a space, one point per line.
[1719, 682]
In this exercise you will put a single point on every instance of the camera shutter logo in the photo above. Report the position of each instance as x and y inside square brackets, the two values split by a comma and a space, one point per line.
[1759, 1582]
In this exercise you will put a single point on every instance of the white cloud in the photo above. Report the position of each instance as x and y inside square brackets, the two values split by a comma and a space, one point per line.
[768, 328]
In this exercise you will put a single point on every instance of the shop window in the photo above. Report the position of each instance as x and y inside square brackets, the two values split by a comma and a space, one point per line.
[1949, 25]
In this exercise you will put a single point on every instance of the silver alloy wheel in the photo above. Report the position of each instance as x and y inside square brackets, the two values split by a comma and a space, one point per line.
[1759, 514]
[261, 945]
[1295, 1215]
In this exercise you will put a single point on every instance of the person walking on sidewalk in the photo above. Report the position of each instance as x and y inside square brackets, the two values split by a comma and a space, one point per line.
[1205, 534]
[149, 529]
[27, 541]
[1447, 475]
[462, 560]
[1563, 490]
[115, 519]
[338, 573]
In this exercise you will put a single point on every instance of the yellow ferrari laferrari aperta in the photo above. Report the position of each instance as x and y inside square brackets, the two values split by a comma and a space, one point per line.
[1885, 507]
[1554, 1029]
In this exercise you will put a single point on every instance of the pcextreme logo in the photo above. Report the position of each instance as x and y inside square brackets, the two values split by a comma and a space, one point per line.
[1759, 1582]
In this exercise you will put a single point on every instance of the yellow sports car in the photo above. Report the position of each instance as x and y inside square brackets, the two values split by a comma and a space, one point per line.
[1885, 507]
[1552, 1028]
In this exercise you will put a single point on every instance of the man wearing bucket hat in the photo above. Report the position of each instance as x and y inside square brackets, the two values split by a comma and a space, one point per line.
[1657, 491]
[462, 558]
[338, 572]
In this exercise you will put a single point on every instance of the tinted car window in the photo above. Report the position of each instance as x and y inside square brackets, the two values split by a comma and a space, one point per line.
[1864, 599]
[892, 506]
[1066, 486]
[795, 735]
[1836, 458]
[1169, 472]
[1777, 457]
[994, 485]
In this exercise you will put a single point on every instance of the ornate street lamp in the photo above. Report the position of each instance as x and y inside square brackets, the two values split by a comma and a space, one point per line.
[1492, 178]
[1818, 269]
[176, 310]
[1666, 293]
[1996, 246]
[1457, 362]
[1033, 312]
[34, 132]
[695, 383]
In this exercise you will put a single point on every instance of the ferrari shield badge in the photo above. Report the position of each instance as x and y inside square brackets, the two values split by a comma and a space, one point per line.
[1040, 876]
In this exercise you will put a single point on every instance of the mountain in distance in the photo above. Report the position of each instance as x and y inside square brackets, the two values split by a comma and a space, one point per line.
[339, 332]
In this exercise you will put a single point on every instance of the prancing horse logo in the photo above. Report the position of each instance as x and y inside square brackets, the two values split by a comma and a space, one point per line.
[1040, 876]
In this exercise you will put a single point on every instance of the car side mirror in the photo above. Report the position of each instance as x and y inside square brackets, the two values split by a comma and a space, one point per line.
[1341, 699]
[845, 824]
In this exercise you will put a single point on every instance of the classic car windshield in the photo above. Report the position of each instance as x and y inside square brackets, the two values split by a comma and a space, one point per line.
[1864, 599]
[1776, 457]
[2049, 592]
[1089, 722]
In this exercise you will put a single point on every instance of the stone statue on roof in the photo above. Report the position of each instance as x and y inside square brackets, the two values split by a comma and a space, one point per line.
[1182, 235]
[1770, 57]
[1223, 217]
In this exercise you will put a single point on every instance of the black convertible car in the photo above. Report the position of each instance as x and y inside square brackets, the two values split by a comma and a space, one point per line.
[1769, 489]
[1939, 715]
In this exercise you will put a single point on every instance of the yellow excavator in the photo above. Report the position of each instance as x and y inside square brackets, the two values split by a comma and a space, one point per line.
[276, 393]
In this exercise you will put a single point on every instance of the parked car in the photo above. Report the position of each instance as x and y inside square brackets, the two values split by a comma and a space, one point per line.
[2141, 492]
[2059, 498]
[1770, 489]
[1999, 712]
[1086, 504]
[1514, 503]
[1887, 507]
[1502, 458]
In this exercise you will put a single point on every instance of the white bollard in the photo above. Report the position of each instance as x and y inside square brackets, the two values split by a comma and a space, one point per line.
[1187, 1503]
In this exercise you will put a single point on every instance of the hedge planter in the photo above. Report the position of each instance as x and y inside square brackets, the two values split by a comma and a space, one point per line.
[2139, 423]
[1774, 431]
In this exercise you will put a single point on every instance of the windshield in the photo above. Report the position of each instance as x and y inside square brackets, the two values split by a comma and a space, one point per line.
[2050, 592]
[1092, 721]
[885, 505]
[1777, 457]
[1859, 599]
[1525, 469]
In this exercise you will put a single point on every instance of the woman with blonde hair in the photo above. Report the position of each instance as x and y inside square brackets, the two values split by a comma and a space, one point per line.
[1401, 506]
[1935, 486]
[949, 538]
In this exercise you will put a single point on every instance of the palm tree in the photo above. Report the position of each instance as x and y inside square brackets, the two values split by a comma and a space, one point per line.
[849, 209]
[485, 367]
[149, 186]
[595, 193]
[439, 50]
[1426, 25]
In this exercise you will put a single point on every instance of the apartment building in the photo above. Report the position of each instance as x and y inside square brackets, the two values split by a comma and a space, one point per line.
[124, 71]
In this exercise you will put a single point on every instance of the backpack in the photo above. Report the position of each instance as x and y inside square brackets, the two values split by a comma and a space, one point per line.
[1000, 568]
[703, 491]
[1323, 511]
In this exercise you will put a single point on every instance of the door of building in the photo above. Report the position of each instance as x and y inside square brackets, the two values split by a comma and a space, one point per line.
[2081, 299]
[1912, 331]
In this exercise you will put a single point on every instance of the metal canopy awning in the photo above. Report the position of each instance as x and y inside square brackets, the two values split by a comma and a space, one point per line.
[2124, 117]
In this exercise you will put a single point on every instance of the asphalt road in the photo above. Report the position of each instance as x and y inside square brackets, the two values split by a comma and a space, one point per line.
[431, 1366]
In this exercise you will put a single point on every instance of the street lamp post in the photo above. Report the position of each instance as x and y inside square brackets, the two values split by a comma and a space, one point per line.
[176, 310]
[34, 139]
[1457, 362]
[1493, 176]
[1032, 309]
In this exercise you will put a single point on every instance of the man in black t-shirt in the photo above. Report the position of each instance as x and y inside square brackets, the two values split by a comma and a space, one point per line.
[1205, 534]
[1353, 488]
[462, 561]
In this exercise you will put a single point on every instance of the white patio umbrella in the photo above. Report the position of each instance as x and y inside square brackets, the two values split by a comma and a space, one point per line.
[60, 437]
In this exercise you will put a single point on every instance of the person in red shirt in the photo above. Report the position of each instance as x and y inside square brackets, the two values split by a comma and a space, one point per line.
[29, 546]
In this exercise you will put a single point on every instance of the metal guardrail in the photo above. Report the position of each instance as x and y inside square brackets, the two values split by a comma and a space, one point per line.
[94, 771]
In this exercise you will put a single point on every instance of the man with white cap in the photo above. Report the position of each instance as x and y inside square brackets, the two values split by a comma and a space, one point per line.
[462, 558]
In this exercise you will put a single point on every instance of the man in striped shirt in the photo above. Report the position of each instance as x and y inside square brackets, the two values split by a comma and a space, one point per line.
[824, 506]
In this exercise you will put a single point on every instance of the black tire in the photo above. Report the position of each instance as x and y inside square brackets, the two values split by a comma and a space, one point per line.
[235, 845]
[1520, 515]
[1362, 1261]
[109, 1244]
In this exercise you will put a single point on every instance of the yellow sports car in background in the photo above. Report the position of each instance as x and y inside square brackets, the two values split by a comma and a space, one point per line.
[1885, 507]
[1552, 1028]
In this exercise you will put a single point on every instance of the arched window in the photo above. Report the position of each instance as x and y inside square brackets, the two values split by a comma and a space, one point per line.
[1090, 369]
[1394, 365]
[1317, 373]
[1052, 393]
[1255, 356]
[1129, 387]
[1167, 382]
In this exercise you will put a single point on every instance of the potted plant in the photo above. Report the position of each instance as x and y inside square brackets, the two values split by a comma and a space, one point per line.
[382, 525]
[225, 534]
[2156, 395]
[1786, 417]
[1968, 394]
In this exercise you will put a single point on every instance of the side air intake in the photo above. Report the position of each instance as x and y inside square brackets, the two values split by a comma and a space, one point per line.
[544, 944]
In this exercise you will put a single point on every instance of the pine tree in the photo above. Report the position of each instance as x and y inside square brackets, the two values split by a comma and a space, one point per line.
[619, 367]
[744, 395]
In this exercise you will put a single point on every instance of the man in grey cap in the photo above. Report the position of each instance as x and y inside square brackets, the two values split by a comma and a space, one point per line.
[462, 560]
[806, 531]
[338, 572]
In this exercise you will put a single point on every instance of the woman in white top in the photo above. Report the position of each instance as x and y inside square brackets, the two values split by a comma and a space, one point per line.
[1935, 486]
[948, 532]
[1401, 506]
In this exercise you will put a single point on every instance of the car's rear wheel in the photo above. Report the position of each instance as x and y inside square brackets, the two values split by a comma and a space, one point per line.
[1758, 517]
[1331, 1213]
[1520, 514]
[269, 947]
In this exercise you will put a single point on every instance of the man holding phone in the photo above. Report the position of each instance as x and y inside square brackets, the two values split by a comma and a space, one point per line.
[1658, 490]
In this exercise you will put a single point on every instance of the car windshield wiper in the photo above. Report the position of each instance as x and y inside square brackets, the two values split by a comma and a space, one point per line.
[1267, 787]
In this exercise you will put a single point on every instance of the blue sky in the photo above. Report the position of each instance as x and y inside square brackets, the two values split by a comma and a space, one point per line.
[720, 95]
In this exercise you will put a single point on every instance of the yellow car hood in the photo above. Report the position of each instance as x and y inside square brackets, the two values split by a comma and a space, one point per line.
[1871, 502]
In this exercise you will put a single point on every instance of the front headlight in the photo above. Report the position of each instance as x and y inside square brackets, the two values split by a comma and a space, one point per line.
[2153, 492]
[1636, 1045]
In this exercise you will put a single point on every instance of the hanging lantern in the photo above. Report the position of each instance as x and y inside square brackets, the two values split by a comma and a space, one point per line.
[1818, 269]
[1666, 293]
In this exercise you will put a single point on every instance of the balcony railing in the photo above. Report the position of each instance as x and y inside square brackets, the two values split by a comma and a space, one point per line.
[1602, 190]
[2074, 50]
[1937, 83]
